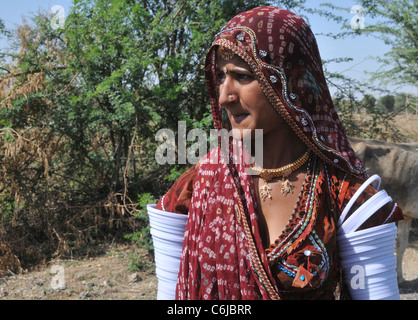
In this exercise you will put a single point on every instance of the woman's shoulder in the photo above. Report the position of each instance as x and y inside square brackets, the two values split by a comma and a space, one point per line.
[178, 198]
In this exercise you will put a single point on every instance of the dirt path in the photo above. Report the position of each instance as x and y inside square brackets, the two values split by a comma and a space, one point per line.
[107, 277]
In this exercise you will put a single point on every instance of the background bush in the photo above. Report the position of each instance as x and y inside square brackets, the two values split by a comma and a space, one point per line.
[80, 106]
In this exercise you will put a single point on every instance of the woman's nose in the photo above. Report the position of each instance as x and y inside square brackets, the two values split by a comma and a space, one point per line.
[227, 91]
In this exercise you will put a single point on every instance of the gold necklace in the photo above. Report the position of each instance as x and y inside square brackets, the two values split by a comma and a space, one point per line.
[283, 172]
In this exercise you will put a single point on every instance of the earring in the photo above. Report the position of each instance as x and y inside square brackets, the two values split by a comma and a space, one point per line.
[225, 70]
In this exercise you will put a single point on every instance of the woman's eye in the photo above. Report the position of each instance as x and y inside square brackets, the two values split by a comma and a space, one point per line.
[242, 77]
[245, 77]
[220, 76]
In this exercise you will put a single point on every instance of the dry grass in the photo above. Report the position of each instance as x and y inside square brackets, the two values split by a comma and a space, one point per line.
[401, 128]
[408, 125]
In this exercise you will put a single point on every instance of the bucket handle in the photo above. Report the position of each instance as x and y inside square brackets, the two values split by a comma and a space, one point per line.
[357, 194]
[365, 211]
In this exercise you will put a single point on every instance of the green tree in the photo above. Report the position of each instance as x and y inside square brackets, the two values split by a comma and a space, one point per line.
[387, 102]
[400, 101]
[3, 33]
[368, 103]
[394, 22]
[79, 108]
[397, 27]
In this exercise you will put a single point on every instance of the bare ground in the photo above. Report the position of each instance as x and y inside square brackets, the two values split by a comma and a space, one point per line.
[407, 124]
[107, 277]
[104, 277]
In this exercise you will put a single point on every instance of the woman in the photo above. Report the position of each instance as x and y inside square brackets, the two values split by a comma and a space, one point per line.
[270, 234]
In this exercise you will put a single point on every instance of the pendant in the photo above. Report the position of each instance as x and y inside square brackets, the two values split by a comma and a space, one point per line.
[287, 187]
[265, 191]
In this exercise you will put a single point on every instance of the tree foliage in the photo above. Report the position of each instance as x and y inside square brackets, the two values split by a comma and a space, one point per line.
[393, 22]
[397, 28]
[79, 108]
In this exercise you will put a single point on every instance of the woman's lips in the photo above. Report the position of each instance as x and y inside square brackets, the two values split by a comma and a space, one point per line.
[239, 118]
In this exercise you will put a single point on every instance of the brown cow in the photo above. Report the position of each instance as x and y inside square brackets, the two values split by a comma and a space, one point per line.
[397, 165]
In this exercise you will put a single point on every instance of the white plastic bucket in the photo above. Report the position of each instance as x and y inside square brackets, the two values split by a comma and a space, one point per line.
[374, 279]
[165, 261]
[166, 275]
[167, 226]
[370, 232]
[380, 286]
[170, 251]
[167, 236]
[360, 240]
[364, 248]
[376, 291]
[375, 254]
[384, 262]
[383, 277]
[367, 256]
[365, 211]
[167, 231]
[165, 291]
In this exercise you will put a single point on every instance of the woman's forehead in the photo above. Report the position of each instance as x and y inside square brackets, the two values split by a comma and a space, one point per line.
[230, 58]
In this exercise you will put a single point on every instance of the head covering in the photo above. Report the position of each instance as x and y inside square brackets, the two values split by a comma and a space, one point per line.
[283, 54]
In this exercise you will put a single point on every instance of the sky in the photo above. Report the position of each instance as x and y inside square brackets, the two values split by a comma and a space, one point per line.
[360, 48]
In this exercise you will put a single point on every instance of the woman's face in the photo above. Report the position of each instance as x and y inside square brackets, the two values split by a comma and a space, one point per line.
[242, 96]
